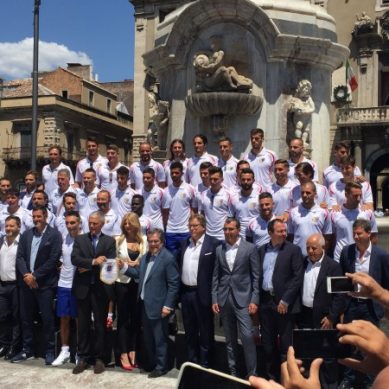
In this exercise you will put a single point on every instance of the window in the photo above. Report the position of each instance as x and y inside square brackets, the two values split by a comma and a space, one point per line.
[91, 98]
[109, 105]
[65, 94]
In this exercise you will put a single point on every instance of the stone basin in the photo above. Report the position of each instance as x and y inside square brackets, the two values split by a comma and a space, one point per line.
[223, 103]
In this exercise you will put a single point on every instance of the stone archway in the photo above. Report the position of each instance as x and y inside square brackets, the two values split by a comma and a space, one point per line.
[377, 167]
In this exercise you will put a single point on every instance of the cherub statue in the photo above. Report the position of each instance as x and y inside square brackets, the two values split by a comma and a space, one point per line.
[214, 75]
[301, 108]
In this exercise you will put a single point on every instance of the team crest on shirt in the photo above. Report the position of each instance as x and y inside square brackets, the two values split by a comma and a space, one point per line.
[252, 205]
[126, 200]
[230, 168]
[315, 219]
[262, 159]
[182, 196]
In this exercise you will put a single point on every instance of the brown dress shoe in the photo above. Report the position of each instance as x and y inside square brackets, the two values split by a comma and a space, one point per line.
[80, 367]
[99, 366]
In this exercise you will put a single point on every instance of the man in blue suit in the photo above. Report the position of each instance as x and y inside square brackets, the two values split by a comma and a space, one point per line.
[37, 258]
[159, 283]
[366, 258]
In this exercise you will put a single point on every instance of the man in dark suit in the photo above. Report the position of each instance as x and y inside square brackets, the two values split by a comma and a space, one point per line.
[280, 280]
[235, 293]
[159, 283]
[90, 251]
[366, 258]
[320, 309]
[37, 258]
[196, 260]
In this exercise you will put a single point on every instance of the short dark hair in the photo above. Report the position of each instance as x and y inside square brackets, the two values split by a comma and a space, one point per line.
[57, 147]
[271, 224]
[242, 162]
[342, 145]
[149, 170]
[13, 217]
[205, 165]
[45, 196]
[225, 139]
[92, 138]
[157, 231]
[233, 220]
[13, 192]
[362, 223]
[306, 168]
[123, 171]
[32, 173]
[256, 131]
[352, 185]
[347, 160]
[69, 194]
[202, 137]
[177, 165]
[247, 170]
[90, 170]
[215, 169]
[281, 161]
[113, 147]
[265, 195]
[40, 208]
[73, 213]
[138, 197]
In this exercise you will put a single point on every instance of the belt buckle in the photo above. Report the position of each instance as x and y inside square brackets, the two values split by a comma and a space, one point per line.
[271, 292]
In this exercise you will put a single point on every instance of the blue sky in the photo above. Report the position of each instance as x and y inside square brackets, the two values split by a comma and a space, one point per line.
[101, 31]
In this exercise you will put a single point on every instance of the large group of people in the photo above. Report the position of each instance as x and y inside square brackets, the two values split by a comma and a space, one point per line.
[251, 240]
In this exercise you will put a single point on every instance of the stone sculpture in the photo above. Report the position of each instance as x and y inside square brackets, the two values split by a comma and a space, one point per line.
[213, 75]
[300, 108]
[363, 24]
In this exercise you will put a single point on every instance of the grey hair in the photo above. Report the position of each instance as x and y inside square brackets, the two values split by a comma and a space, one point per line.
[157, 231]
[98, 214]
[64, 171]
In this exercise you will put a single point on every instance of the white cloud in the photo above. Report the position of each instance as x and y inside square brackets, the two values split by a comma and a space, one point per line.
[16, 58]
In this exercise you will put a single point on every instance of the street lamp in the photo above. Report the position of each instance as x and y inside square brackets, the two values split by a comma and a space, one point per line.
[34, 128]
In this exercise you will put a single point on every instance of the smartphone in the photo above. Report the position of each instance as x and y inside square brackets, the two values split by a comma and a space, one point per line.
[193, 376]
[318, 343]
[340, 285]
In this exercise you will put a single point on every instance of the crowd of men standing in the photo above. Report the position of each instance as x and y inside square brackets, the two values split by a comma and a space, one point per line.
[251, 240]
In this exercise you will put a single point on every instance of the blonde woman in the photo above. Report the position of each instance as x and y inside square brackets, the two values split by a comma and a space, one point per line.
[130, 247]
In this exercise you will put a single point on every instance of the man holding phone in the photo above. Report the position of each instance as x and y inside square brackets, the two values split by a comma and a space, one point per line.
[366, 258]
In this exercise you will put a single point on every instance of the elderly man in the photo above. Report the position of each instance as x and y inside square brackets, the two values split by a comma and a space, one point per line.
[90, 251]
[159, 282]
[235, 293]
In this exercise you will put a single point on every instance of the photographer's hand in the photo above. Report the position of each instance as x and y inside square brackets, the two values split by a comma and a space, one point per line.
[370, 340]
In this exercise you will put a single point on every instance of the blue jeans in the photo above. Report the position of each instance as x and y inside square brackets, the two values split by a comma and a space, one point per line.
[172, 241]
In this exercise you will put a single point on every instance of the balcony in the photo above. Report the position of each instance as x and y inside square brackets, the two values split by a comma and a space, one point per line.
[348, 117]
[19, 156]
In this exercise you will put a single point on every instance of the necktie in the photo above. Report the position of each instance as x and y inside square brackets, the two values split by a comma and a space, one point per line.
[94, 243]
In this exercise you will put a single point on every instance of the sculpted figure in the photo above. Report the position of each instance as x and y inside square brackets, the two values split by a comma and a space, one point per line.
[214, 75]
[301, 108]
[363, 24]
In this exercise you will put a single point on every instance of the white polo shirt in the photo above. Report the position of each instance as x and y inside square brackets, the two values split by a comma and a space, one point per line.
[56, 200]
[229, 171]
[337, 193]
[60, 225]
[179, 202]
[193, 167]
[281, 196]
[166, 167]
[333, 174]
[136, 173]
[322, 195]
[153, 205]
[245, 208]
[66, 274]
[107, 177]
[262, 165]
[216, 207]
[304, 222]
[87, 203]
[292, 168]
[86, 163]
[342, 226]
[112, 223]
[8, 260]
[257, 230]
[121, 200]
[145, 224]
[28, 221]
[49, 176]
[21, 213]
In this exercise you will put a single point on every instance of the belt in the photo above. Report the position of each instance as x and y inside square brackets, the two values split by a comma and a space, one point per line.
[189, 287]
[268, 293]
[5, 283]
[359, 300]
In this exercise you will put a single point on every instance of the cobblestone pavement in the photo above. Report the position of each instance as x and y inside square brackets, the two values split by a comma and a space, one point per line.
[34, 374]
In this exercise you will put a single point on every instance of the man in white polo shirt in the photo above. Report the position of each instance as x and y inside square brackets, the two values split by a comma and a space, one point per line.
[152, 195]
[350, 211]
[201, 155]
[260, 158]
[93, 160]
[227, 162]
[87, 196]
[122, 195]
[112, 220]
[56, 196]
[51, 170]
[177, 206]
[215, 204]
[137, 168]
[308, 218]
[245, 203]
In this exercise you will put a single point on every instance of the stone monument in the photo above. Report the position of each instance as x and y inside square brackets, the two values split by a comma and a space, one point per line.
[227, 66]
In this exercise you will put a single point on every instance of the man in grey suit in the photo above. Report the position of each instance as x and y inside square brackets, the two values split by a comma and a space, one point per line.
[159, 283]
[235, 293]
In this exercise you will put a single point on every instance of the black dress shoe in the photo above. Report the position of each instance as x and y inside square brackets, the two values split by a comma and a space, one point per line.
[99, 366]
[3, 351]
[11, 353]
[156, 373]
[80, 367]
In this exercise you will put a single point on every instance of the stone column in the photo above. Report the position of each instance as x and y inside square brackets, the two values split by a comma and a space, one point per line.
[358, 153]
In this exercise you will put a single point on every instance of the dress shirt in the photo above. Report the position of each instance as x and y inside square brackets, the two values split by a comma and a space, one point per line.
[362, 264]
[190, 264]
[269, 262]
[310, 281]
[8, 260]
[231, 252]
[150, 264]
[36, 241]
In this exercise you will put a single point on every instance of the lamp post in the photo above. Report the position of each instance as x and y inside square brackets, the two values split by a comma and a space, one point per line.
[34, 128]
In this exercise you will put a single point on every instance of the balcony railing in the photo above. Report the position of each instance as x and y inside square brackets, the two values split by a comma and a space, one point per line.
[363, 116]
[10, 154]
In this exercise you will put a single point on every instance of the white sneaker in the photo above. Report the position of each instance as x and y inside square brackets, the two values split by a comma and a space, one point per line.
[63, 357]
